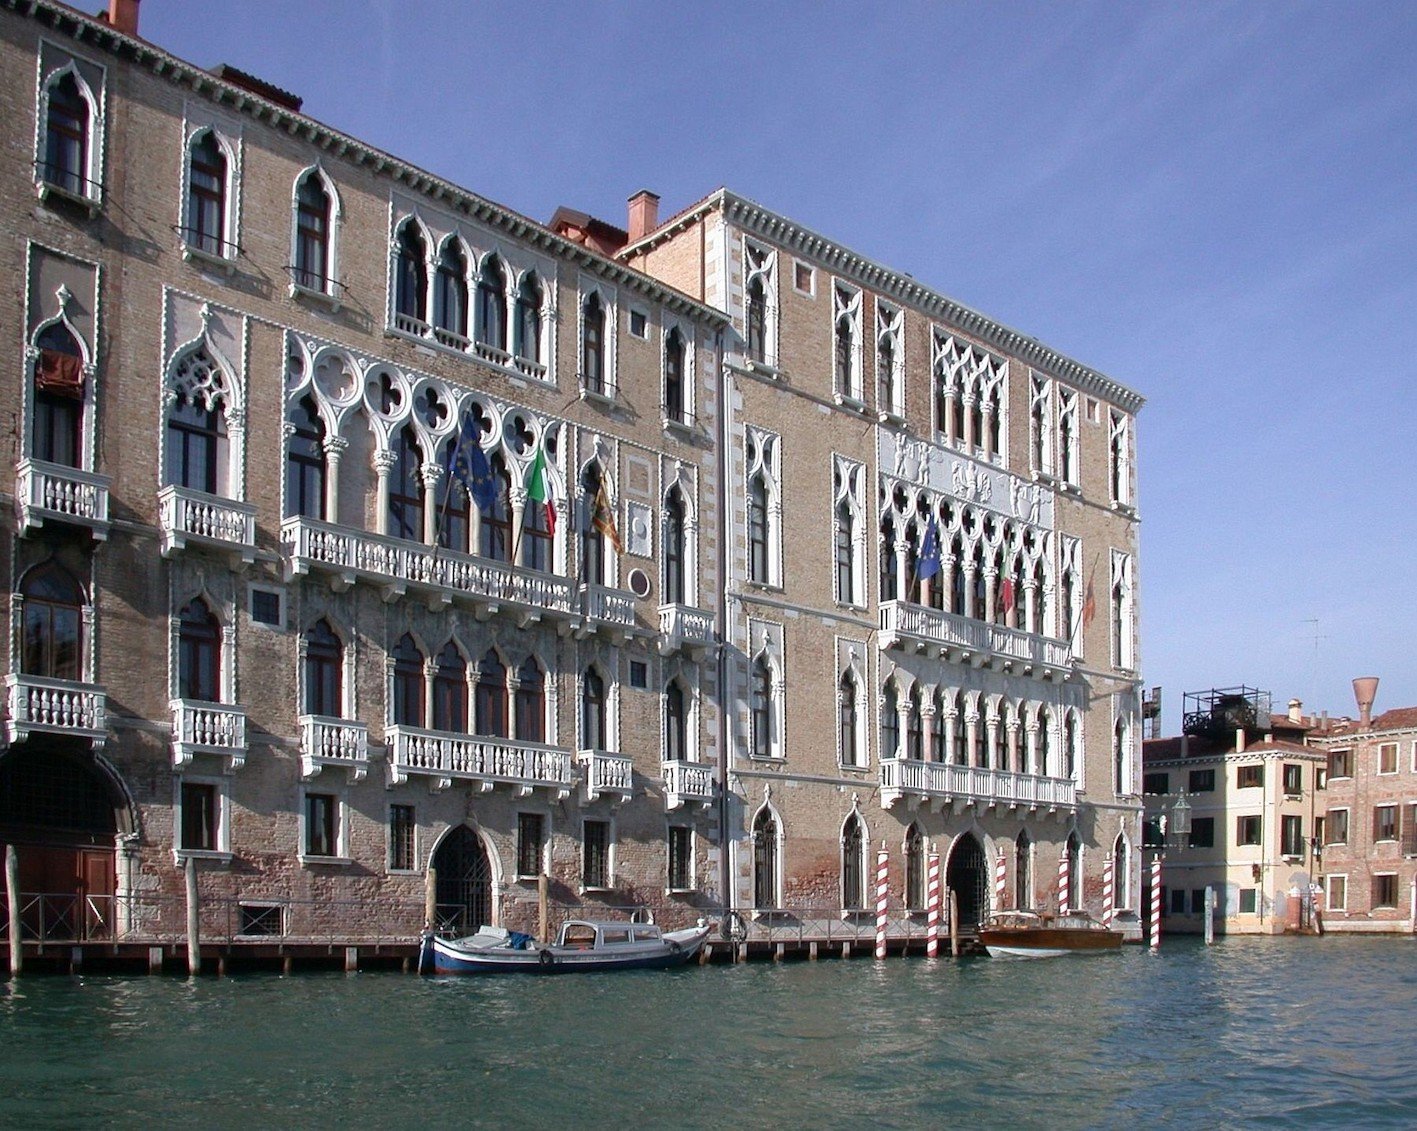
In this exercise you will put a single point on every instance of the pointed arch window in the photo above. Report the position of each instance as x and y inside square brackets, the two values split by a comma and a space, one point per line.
[455, 511]
[408, 683]
[196, 440]
[766, 854]
[526, 336]
[536, 540]
[674, 546]
[914, 868]
[676, 722]
[531, 702]
[58, 398]
[406, 487]
[313, 212]
[1023, 873]
[198, 653]
[1071, 750]
[305, 462]
[495, 537]
[844, 346]
[889, 567]
[890, 722]
[53, 623]
[594, 731]
[758, 528]
[675, 406]
[324, 671]
[492, 304]
[853, 866]
[67, 138]
[845, 544]
[491, 700]
[205, 222]
[848, 720]
[1121, 761]
[450, 690]
[939, 733]
[450, 296]
[592, 540]
[914, 727]
[411, 281]
[756, 319]
[761, 709]
[593, 344]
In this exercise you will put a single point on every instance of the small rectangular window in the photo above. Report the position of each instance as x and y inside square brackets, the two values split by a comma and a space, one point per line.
[266, 606]
[401, 842]
[1340, 764]
[1384, 822]
[681, 839]
[1248, 901]
[1293, 779]
[1291, 835]
[1197, 901]
[804, 279]
[1202, 832]
[639, 323]
[1337, 893]
[530, 839]
[1178, 901]
[1337, 825]
[1202, 781]
[1384, 891]
[321, 824]
[1387, 758]
[595, 867]
[1156, 783]
[639, 675]
[1249, 777]
[199, 817]
[261, 919]
[1247, 829]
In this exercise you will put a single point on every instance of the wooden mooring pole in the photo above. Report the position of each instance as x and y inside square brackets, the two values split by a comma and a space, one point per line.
[430, 900]
[194, 945]
[954, 923]
[12, 893]
[543, 924]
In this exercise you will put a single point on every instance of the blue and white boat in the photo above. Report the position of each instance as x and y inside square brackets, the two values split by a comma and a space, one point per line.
[582, 946]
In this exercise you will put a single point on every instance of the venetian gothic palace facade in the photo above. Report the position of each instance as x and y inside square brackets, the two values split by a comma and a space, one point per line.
[384, 551]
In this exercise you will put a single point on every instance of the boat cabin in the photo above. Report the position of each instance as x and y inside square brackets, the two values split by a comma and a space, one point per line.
[580, 934]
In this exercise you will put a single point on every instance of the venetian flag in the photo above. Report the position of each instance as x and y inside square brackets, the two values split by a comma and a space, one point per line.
[1006, 594]
[1089, 603]
[929, 564]
[603, 519]
[538, 488]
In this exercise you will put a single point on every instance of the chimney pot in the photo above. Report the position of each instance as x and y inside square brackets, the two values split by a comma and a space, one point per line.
[644, 214]
[123, 16]
[1365, 690]
[1296, 711]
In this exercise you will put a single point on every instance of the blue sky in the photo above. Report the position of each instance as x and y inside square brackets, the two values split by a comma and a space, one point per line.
[1212, 203]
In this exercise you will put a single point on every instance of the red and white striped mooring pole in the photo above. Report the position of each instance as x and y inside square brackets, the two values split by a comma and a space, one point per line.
[932, 906]
[1063, 878]
[1107, 898]
[1001, 879]
[883, 892]
[1156, 902]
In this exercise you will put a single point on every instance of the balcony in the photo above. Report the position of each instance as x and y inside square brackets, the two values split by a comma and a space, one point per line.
[685, 627]
[55, 706]
[687, 783]
[607, 610]
[941, 783]
[188, 516]
[199, 727]
[959, 639]
[333, 742]
[489, 762]
[396, 566]
[607, 775]
[51, 492]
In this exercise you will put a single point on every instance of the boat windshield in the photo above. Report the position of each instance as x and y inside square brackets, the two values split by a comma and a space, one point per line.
[580, 935]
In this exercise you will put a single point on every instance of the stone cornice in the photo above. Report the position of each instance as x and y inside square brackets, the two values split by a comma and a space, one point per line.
[760, 221]
[99, 34]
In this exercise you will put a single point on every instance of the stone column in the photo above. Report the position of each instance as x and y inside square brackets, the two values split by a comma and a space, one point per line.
[384, 462]
[432, 474]
[334, 447]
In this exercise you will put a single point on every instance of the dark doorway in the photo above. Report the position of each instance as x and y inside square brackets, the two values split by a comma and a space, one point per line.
[464, 890]
[967, 875]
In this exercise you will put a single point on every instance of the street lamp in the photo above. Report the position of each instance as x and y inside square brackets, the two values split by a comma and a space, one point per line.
[1181, 821]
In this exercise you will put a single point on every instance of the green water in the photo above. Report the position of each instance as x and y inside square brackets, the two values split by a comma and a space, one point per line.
[1307, 1032]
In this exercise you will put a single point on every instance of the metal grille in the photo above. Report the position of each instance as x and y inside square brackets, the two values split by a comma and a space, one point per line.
[968, 877]
[43, 788]
[464, 891]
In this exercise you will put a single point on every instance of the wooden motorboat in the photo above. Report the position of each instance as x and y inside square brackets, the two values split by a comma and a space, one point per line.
[582, 946]
[1026, 934]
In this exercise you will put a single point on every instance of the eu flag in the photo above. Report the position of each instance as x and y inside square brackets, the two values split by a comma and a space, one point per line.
[471, 469]
[929, 553]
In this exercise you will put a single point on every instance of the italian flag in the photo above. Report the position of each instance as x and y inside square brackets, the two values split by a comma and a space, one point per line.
[538, 488]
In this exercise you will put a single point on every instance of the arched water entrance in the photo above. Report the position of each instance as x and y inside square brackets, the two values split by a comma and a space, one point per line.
[62, 813]
[967, 875]
[464, 882]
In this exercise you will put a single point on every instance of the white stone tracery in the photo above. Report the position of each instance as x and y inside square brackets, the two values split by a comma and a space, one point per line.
[970, 407]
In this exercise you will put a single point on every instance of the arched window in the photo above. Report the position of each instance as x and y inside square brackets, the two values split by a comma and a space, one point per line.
[450, 690]
[675, 408]
[196, 438]
[496, 526]
[848, 719]
[885, 373]
[845, 554]
[674, 571]
[979, 604]
[1121, 763]
[324, 671]
[313, 209]
[996, 420]
[411, 280]
[593, 711]
[1071, 736]
[491, 700]
[592, 540]
[593, 344]
[408, 683]
[914, 727]
[206, 196]
[1121, 873]
[58, 398]
[527, 331]
[890, 723]
[760, 711]
[53, 623]
[765, 860]
[198, 653]
[888, 561]
[531, 702]
[492, 304]
[958, 578]
[757, 321]
[676, 722]
[450, 296]
[844, 341]
[1023, 873]
[536, 538]
[914, 868]
[961, 742]
[940, 732]
[758, 528]
[1045, 742]
[406, 487]
[305, 462]
[66, 137]
[455, 510]
[853, 865]
[1000, 743]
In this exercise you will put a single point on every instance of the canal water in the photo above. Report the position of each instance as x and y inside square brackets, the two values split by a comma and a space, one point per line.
[1273, 1032]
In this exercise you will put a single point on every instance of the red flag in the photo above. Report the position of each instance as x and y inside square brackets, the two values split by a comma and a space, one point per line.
[603, 519]
[60, 373]
[1089, 605]
[1006, 594]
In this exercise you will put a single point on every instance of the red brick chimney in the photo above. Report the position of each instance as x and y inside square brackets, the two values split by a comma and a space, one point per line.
[123, 15]
[644, 214]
